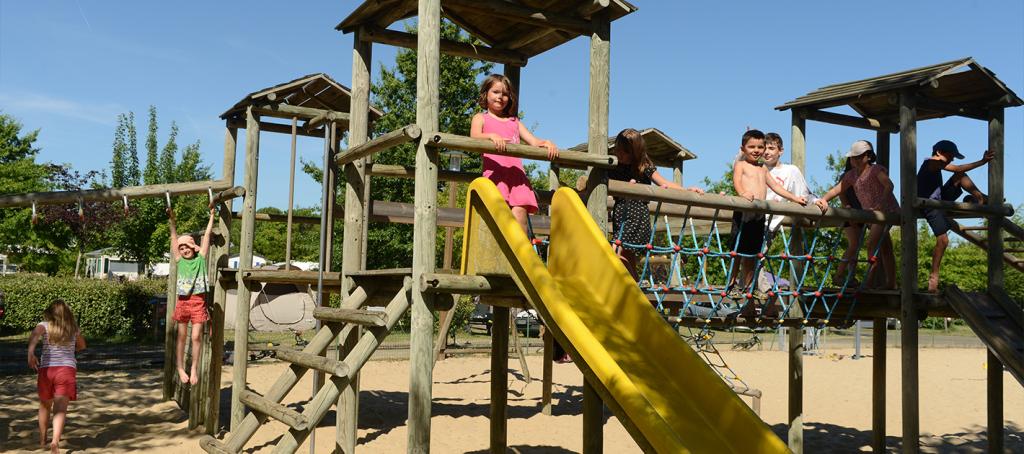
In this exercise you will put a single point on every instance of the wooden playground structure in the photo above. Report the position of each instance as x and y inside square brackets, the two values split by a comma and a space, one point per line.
[316, 106]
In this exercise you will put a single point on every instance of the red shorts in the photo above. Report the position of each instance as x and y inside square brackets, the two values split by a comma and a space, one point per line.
[191, 308]
[57, 381]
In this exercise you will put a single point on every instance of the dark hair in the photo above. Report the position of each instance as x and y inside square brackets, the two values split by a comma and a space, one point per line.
[632, 143]
[512, 107]
[774, 138]
[751, 134]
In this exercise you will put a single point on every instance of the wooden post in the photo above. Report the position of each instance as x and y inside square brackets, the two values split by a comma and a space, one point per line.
[221, 253]
[882, 148]
[796, 389]
[353, 247]
[996, 273]
[499, 379]
[291, 198]
[593, 420]
[421, 351]
[597, 124]
[677, 172]
[878, 334]
[241, 352]
[908, 268]
[170, 330]
[798, 141]
[597, 187]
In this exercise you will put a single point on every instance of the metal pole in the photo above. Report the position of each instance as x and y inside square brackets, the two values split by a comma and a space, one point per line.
[318, 377]
[291, 198]
[856, 340]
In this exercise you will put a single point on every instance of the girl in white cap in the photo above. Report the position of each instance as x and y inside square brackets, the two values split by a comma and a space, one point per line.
[192, 287]
[873, 188]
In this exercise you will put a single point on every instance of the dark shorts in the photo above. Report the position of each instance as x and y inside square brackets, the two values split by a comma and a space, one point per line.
[938, 221]
[751, 233]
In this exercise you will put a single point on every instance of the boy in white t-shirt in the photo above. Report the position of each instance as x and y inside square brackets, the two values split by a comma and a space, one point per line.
[789, 177]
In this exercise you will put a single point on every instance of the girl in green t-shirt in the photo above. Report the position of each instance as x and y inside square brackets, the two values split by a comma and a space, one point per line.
[192, 286]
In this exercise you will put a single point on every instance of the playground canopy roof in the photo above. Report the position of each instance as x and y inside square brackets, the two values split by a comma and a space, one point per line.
[526, 28]
[662, 149]
[317, 91]
[959, 87]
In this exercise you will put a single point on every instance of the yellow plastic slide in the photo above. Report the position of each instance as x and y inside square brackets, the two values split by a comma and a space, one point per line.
[665, 395]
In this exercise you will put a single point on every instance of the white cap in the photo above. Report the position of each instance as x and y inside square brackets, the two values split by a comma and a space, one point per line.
[858, 148]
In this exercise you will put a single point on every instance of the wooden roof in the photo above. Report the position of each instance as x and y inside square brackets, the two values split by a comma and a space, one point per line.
[526, 27]
[959, 87]
[317, 91]
[662, 149]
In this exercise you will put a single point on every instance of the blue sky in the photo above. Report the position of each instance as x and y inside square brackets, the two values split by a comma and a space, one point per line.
[699, 71]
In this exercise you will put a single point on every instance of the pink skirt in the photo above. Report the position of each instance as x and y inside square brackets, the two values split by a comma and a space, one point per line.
[513, 184]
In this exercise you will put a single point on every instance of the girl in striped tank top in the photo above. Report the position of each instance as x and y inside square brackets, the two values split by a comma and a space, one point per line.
[499, 123]
[57, 368]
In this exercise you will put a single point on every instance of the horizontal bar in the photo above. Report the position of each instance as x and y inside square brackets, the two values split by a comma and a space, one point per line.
[848, 120]
[281, 110]
[408, 41]
[653, 193]
[311, 361]
[968, 208]
[268, 407]
[469, 285]
[384, 142]
[409, 172]
[111, 194]
[227, 194]
[279, 128]
[353, 316]
[565, 158]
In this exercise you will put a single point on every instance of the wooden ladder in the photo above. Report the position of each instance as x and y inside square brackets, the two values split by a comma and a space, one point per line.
[997, 320]
[1013, 254]
[335, 322]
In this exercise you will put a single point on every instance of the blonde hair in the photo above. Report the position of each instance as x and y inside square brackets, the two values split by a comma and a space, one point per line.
[62, 326]
[632, 143]
[511, 108]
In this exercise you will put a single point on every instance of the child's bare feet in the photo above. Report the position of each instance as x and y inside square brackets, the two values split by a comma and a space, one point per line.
[54, 449]
[182, 375]
[194, 378]
[933, 283]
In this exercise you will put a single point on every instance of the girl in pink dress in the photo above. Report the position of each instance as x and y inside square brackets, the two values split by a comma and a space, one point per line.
[873, 188]
[500, 124]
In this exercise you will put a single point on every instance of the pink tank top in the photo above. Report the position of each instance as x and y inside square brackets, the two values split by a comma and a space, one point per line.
[869, 191]
[508, 129]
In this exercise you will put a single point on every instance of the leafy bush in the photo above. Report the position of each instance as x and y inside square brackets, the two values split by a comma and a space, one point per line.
[104, 309]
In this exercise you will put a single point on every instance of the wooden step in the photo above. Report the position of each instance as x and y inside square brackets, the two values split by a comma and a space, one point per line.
[311, 361]
[354, 316]
[261, 404]
[214, 446]
[974, 227]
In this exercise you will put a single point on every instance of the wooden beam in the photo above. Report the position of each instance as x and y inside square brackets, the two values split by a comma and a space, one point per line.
[882, 147]
[280, 110]
[470, 285]
[384, 142]
[878, 335]
[565, 158]
[409, 172]
[424, 254]
[848, 120]
[993, 209]
[112, 194]
[795, 382]
[408, 41]
[241, 357]
[227, 194]
[279, 128]
[289, 417]
[597, 116]
[996, 272]
[499, 378]
[950, 108]
[516, 13]
[798, 141]
[908, 267]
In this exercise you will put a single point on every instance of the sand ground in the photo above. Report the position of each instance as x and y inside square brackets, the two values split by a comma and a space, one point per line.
[122, 412]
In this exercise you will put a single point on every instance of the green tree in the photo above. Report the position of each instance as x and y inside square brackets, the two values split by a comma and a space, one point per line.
[167, 156]
[152, 173]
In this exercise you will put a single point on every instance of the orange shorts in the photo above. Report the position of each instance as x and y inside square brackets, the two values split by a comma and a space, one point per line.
[57, 381]
[191, 309]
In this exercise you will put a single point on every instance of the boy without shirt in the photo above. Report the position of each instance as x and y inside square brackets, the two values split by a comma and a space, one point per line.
[751, 180]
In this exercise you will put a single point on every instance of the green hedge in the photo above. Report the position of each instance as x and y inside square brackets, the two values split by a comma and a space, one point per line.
[104, 309]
